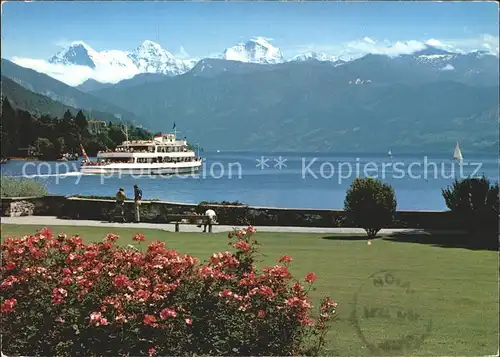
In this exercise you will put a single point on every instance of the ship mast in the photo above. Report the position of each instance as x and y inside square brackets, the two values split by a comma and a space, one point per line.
[123, 128]
[126, 134]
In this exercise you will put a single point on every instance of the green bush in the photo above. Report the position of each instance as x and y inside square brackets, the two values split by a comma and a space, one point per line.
[221, 203]
[370, 204]
[21, 187]
[474, 203]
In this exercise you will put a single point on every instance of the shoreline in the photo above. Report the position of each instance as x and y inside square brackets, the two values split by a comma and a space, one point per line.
[35, 159]
[23, 159]
[202, 204]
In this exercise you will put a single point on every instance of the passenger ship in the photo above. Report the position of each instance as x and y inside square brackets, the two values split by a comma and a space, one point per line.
[163, 155]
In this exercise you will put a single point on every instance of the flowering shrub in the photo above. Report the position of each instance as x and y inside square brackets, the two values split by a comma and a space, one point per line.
[61, 296]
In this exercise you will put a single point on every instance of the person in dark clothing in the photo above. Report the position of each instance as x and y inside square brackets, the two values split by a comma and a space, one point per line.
[137, 202]
[120, 202]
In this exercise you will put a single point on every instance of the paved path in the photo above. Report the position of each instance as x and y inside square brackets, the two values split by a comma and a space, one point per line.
[54, 221]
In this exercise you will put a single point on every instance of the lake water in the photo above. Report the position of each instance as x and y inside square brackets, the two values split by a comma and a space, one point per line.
[309, 180]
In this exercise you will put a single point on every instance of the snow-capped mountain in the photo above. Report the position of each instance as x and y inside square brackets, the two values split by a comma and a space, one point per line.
[80, 62]
[318, 56]
[360, 81]
[257, 50]
[149, 57]
[78, 53]
[433, 56]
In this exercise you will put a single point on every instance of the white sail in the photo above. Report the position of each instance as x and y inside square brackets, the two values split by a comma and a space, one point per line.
[390, 152]
[458, 154]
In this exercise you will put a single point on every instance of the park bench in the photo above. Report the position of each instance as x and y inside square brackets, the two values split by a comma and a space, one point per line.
[178, 219]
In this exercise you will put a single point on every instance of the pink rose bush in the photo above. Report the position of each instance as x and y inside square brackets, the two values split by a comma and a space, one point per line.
[61, 296]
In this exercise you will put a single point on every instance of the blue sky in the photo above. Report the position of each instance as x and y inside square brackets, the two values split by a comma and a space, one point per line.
[38, 29]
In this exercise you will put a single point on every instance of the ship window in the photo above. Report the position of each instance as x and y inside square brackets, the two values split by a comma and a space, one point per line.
[139, 148]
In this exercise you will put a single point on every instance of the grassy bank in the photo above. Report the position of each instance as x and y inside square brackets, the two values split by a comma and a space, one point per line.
[21, 187]
[456, 289]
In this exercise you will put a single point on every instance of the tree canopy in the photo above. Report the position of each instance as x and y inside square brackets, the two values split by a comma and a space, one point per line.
[25, 134]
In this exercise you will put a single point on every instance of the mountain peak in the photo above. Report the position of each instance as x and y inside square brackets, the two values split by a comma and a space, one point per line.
[150, 57]
[261, 41]
[150, 51]
[78, 53]
[80, 44]
[430, 50]
[255, 50]
[312, 55]
[150, 44]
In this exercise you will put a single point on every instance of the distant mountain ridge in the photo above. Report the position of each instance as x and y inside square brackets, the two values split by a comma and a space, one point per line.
[150, 57]
[38, 104]
[91, 84]
[431, 64]
[58, 91]
[364, 105]
[418, 102]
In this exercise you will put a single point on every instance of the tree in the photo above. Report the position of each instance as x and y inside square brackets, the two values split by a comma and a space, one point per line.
[116, 134]
[10, 129]
[474, 204]
[56, 136]
[45, 148]
[60, 146]
[370, 204]
[81, 122]
[67, 116]
[28, 128]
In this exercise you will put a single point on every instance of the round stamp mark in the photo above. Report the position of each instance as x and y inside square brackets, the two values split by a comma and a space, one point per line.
[387, 314]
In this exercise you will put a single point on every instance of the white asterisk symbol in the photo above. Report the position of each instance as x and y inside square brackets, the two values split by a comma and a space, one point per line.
[280, 163]
[262, 163]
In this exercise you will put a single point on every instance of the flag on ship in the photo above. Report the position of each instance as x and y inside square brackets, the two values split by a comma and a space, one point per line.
[84, 154]
[173, 128]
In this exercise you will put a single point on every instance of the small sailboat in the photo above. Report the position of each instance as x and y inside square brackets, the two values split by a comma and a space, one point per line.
[457, 155]
[390, 153]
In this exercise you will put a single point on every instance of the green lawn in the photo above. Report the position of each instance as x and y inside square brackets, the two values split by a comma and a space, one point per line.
[454, 289]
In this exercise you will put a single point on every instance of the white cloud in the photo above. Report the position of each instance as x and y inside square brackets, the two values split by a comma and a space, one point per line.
[448, 67]
[63, 43]
[367, 45]
[74, 75]
[433, 42]
[268, 39]
[369, 40]
[182, 54]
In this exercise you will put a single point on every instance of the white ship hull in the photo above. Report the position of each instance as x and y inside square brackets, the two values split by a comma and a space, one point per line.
[181, 168]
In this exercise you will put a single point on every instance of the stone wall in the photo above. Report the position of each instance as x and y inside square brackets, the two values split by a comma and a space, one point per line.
[27, 206]
[156, 212]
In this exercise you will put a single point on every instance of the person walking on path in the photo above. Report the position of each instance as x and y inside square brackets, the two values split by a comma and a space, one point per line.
[137, 202]
[120, 203]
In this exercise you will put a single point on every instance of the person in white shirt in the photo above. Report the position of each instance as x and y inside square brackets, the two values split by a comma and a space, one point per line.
[213, 218]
